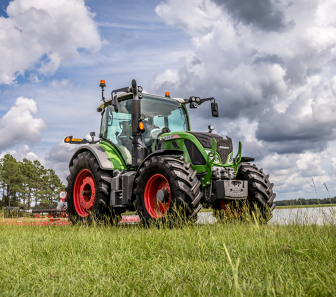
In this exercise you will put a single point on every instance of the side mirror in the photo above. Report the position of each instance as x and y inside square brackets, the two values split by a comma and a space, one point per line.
[214, 109]
[92, 134]
[115, 102]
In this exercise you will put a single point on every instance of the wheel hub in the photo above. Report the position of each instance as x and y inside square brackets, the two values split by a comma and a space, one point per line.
[87, 193]
[162, 195]
[157, 196]
[84, 193]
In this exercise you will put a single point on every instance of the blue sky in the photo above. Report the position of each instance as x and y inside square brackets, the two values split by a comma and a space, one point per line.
[135, 42]
[270, 65]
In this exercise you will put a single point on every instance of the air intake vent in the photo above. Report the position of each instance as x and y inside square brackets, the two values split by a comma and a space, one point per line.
[194, 153]
[224, 146]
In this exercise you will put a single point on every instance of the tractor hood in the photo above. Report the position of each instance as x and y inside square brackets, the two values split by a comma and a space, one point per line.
[224, 145]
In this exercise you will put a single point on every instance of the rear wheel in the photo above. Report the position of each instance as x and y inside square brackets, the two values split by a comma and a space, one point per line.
[89, 191]
[167, 190]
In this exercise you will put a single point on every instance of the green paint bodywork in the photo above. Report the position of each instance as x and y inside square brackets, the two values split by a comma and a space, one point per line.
[187, 114]
[210, 155]
[114, 155]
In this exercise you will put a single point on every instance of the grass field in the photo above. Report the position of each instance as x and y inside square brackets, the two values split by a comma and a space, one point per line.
[224, 259]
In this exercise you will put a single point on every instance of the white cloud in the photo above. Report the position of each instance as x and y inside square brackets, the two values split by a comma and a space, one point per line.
[23, 152]
[41, 34]
[59, 83]
[18, 124]
[58, 158]
[291, 173]
[196, 17]
[333, 162]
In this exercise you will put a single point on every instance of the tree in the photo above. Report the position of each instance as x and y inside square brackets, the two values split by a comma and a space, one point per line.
[29, 177]
[11, 176]
[26, 181]
[53, 186]
[38, 188]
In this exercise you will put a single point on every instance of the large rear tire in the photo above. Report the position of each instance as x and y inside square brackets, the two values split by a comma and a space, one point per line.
[260, 196]
[89, 191]
[167, 191]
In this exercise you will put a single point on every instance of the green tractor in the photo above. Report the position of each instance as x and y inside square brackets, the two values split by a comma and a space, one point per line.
[148, 160]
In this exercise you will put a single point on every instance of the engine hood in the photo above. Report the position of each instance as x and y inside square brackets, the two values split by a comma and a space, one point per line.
[224, 145]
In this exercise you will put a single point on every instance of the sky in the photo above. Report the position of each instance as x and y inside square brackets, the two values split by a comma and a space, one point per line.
[271, 65]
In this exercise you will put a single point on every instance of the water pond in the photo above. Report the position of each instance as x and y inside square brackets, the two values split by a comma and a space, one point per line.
[318, 216]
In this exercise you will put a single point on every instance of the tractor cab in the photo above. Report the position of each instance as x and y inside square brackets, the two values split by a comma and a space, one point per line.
[159, 115]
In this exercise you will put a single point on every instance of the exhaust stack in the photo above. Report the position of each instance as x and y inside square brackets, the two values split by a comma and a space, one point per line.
[139, 150]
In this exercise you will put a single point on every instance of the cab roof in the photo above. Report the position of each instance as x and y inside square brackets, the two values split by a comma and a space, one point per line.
[130, 95]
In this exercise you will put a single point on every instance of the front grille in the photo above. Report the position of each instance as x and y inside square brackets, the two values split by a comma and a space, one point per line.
[206, 141]
[194, 153]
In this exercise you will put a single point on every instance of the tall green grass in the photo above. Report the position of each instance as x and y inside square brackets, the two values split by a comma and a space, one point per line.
[225, 259]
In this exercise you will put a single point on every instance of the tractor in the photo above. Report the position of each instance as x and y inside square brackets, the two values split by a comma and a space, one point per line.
[148, 160]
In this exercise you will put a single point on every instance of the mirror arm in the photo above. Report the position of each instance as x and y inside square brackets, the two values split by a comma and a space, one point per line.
[207, 99]
[202, 100]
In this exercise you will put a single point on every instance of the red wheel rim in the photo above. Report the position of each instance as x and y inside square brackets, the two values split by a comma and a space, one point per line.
[84, 193]
[155, 208]
[232, 211]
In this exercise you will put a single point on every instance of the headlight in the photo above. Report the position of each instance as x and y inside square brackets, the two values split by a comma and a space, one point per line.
[230, 159]
[216, 159]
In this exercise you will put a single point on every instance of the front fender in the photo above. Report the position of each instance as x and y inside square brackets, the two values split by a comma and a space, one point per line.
[161, 152]
[100, 154]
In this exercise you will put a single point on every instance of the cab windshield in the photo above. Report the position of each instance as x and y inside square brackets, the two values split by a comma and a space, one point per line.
[160, 112]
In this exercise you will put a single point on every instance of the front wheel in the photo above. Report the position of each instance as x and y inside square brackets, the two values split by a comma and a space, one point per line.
[230, 209]
[260, 196]
[167, 191]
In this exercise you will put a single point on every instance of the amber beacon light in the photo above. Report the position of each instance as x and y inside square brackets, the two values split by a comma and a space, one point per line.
[102, 83]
